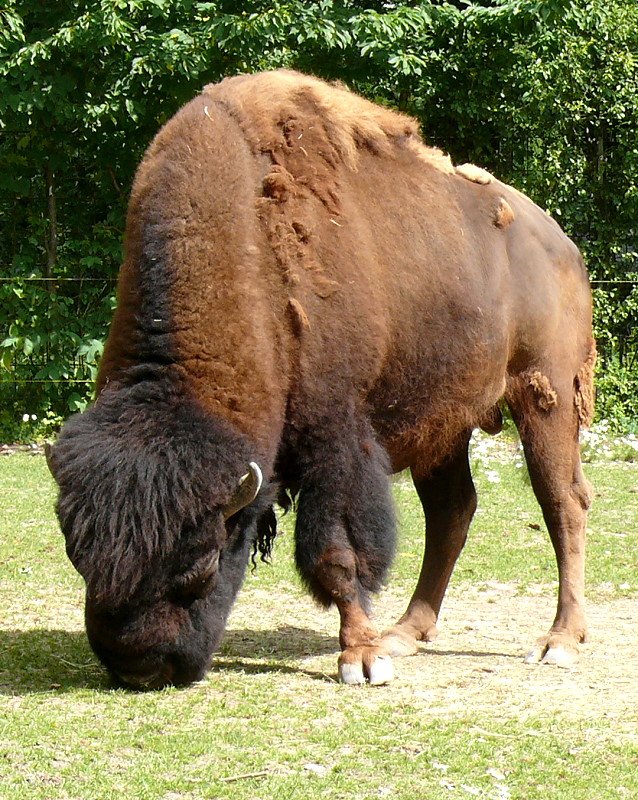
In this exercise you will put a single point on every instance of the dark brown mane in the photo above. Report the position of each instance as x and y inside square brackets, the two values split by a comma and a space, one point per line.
[163, 466]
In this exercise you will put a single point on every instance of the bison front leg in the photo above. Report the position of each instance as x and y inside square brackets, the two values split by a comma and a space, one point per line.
[448, 498]
[361, 659]
[345, 539]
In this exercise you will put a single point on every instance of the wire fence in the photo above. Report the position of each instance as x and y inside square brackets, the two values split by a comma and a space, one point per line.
[106, 281]
[37, 364]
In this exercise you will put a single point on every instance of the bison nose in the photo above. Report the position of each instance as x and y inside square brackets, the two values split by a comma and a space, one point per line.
[141, 683]
[146, 679]
[168, 670]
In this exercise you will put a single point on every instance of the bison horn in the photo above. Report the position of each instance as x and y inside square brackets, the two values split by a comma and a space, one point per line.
[246, 491]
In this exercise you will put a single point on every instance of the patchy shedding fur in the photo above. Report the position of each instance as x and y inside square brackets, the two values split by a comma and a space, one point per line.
[584, 394]
[278, 184]
[475, 174]
[300, 321]
[503, 215]
[546, 397]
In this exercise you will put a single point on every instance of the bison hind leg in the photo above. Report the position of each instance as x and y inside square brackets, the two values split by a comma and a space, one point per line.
[548, 411]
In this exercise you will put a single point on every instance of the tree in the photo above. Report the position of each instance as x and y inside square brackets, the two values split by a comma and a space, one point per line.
[543, 93]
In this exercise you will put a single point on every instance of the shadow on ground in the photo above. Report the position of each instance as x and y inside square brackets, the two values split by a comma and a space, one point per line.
[285, 642]
[42, 660]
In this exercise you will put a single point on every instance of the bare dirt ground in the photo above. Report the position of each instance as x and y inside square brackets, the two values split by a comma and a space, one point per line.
[476, 664]
[474, 669]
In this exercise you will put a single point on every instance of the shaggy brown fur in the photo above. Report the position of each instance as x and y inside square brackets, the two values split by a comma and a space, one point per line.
[316, 290]
[274, 109]
[546, 397]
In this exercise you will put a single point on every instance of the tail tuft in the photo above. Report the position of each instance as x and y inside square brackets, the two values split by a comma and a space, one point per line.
[584, 393]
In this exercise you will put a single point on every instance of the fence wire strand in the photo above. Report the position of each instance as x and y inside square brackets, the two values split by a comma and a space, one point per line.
[108, 281]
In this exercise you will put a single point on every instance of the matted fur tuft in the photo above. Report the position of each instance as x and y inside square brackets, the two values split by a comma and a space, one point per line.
[139, 469]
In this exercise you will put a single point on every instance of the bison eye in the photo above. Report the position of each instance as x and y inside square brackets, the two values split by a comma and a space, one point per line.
[199, 581]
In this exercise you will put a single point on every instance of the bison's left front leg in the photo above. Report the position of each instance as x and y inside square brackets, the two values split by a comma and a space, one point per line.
[448, 498]
[345, 537]
[338, 573]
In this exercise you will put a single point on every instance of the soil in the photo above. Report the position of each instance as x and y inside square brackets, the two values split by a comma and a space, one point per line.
[10, 449]
[476, 664]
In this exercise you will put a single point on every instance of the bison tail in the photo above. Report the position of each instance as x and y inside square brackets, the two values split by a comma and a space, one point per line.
[584, 394]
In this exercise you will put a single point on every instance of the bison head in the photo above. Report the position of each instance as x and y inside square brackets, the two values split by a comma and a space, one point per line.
[158, 507]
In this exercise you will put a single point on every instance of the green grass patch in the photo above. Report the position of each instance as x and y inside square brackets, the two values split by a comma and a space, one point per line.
[218, 741]
[270, 722]
[508, 540]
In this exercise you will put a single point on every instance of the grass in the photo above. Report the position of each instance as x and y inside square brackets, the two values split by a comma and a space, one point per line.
[466, 720]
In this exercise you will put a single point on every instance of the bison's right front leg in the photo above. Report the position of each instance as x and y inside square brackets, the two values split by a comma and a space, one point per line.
[345, 537]
[449, 501]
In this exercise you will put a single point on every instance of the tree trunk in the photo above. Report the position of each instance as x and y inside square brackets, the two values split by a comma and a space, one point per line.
[51, 243]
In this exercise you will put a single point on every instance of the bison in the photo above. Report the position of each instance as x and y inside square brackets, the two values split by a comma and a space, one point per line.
[312, 298]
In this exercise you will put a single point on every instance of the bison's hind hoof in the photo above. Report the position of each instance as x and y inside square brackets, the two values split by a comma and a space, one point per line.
[562, 654]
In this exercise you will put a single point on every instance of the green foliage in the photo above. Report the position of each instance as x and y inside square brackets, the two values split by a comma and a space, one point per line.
[53, 342]
[542, 92]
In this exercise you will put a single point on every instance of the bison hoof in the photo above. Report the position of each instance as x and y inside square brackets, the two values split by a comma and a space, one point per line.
[358, 665]
[557, 653]
[381, 671]
[397, 643]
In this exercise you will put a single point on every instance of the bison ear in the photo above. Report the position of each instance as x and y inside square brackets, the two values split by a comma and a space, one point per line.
[246, 491]
[48, 454]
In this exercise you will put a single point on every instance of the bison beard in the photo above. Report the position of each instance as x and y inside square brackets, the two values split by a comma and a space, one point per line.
[312, 295]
